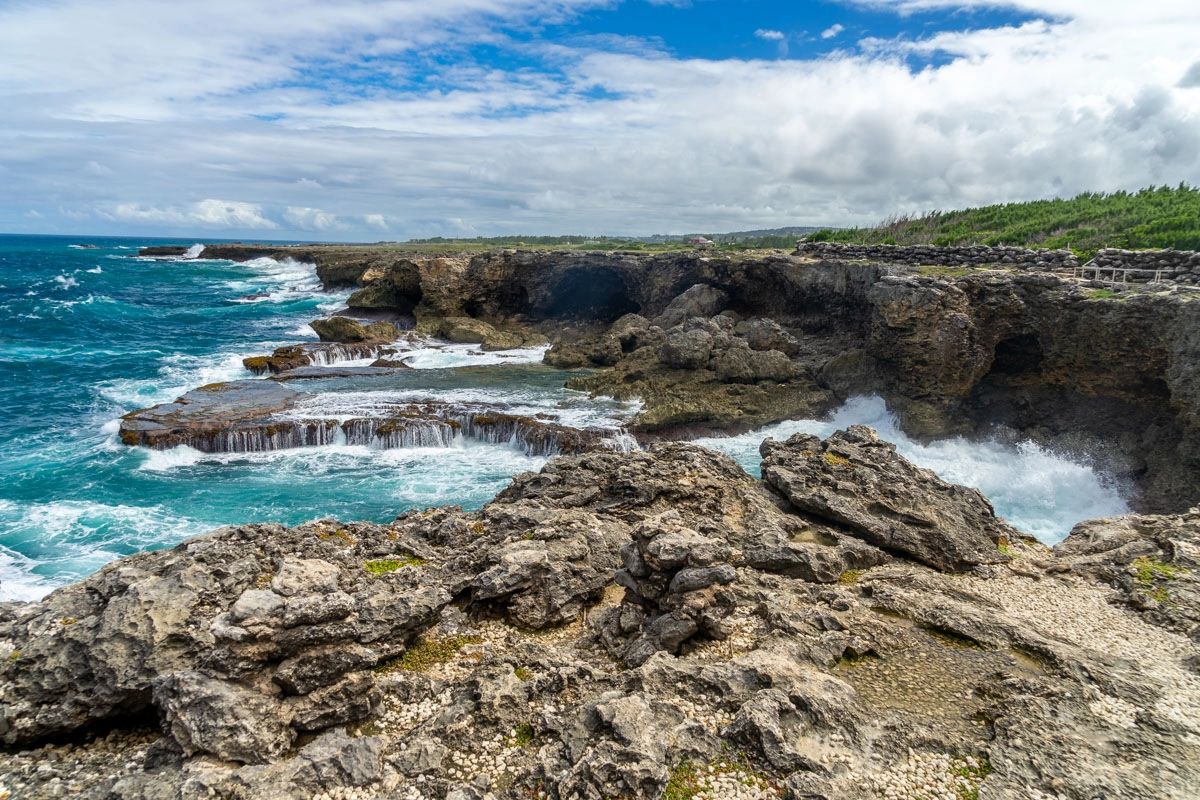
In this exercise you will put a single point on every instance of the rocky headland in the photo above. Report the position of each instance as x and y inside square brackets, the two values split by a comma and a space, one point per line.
[657, 623]
[981, 342]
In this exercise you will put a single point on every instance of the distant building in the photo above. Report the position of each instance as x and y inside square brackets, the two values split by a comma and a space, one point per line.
[701, 242]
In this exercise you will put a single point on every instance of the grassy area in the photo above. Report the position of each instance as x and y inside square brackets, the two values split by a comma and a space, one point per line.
[1157, 217]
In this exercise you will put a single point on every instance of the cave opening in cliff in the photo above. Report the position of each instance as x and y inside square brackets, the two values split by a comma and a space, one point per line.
[1017, 355]
[597, 294]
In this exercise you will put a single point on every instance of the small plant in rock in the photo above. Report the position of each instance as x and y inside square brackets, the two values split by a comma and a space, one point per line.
[834, 460]
[971, 772]
[850, 576]
[522, 735]
[1147, 570]
[386, 565]
[428, 653]
[522, 674]
[340, 535]
[720, 778]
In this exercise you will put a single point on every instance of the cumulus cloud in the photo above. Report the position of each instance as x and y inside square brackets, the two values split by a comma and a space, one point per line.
[832, 31]
[207, 213]
[1191, 78]
[605, 138]
[309, 219]
[769, 35]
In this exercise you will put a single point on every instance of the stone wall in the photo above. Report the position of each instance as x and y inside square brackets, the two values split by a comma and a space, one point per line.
[1180, 266]
[930, 255]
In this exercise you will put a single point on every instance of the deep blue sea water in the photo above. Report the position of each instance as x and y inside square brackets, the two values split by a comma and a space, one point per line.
[87, 335]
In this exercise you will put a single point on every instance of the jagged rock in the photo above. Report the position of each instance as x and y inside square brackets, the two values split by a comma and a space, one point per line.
[700, 300]
[1155, 562]
[740, 364]
[686, 349]
[549, 578]
[767, 334]
[207, 715]
[819, 687]
[856, 480]
[672, 577]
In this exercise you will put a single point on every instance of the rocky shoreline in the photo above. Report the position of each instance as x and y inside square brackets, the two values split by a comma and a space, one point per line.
[657, 623]
[1014, 350]
[624, 625]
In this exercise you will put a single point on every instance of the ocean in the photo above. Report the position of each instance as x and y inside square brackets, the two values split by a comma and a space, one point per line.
[88, 334]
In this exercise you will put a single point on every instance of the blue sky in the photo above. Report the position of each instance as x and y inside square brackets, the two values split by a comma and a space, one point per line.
[391, 119]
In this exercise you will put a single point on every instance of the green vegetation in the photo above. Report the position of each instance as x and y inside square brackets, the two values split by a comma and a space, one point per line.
[1147, 569]
[522, 735]
[1157, 217]
[834, 460]
[386, 565]
[340, 535]
[1150, 571]
[973, 776]
[522, 674]
[689, 780]
[850, 576]
[428, 653]
[13, 656]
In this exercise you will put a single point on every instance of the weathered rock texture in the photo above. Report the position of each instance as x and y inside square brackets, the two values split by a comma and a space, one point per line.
[467, 655]
[259, 416]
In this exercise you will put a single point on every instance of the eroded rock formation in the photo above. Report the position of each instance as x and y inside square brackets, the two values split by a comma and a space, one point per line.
[468, 655]
[258, 416]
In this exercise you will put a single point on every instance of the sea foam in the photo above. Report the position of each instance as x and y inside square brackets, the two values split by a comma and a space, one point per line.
[1039, 492]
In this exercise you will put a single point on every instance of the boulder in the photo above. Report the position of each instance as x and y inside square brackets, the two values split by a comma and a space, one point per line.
[466, 330]
[233, 723]
[740, 364]
[686, 349]
[767, 334]
[344, 329]
[701, 300]
[857, 481]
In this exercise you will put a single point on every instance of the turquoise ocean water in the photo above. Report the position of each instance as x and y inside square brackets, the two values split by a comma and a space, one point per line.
[88, 334]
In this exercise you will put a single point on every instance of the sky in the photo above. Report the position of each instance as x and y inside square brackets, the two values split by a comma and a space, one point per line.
[370, 120]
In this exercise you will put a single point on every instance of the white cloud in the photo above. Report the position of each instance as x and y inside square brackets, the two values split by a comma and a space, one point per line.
[310, 219]
[206, 213]
[832, 31]
[1191, 78]
[614, 138]
[769, 35]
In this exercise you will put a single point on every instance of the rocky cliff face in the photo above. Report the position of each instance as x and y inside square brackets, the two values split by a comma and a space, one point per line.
[626, 625]
[953, 351]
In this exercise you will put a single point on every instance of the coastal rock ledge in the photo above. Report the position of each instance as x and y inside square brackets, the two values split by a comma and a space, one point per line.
[627, 625]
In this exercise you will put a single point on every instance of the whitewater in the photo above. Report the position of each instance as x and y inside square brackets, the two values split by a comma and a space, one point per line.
[90, 334]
